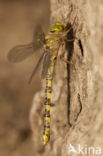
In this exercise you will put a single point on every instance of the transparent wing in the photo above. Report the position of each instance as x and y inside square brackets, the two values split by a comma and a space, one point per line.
[46, 63]
[38, 37]
[36, 68]
[21, 52]
[46, 56]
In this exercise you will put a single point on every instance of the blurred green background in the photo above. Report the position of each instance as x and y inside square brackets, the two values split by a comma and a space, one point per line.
[17, 23]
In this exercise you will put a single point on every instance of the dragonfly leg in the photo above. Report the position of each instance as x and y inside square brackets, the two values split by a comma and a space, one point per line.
[63, 58]
[71, 25]
[70, 40]
[62, 55]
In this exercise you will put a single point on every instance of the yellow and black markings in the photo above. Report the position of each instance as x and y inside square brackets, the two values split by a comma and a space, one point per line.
[53, 40]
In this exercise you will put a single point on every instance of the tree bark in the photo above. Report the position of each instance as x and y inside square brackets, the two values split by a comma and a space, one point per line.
[77, 92]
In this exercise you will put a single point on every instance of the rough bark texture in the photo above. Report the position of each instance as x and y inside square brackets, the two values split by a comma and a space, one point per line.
[77, 93]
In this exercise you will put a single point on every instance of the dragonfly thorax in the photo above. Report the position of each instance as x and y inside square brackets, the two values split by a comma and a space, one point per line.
[52, 42]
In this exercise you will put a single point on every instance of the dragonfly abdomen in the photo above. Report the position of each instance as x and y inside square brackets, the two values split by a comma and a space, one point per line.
[48, 90]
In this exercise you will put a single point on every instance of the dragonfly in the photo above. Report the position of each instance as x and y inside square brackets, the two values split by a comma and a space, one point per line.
[56, 37]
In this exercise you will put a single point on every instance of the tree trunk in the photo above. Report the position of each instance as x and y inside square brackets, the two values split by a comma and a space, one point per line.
[77, 90]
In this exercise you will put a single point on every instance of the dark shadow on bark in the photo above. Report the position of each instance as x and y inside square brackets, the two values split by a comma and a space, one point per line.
[70, 49]
[81, 47]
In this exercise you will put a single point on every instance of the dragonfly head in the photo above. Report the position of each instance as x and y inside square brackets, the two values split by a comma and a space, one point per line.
[58, 27]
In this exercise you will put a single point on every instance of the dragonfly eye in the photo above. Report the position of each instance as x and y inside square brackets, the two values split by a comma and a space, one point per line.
[58, 27]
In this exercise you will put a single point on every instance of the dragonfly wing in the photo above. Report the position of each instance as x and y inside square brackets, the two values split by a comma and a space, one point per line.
[46, 56]
[36, 68]
[46, 63]
[20, 52]
[38, 37]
